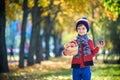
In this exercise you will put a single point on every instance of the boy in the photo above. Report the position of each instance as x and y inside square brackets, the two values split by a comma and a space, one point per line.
[82, 61]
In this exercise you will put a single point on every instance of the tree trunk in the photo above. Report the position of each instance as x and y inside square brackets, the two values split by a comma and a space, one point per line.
[115, 36]
[38, 52]
[61, 47]
[60, 38]
[32, 50]
[3, 51]
[56, 45]
[39, 56]
[47, 33]
[50, 21]
[23, 38]
[92, 29]
[47, 39]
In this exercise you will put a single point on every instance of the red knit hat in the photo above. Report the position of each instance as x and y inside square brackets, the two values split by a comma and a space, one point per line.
[83, 21]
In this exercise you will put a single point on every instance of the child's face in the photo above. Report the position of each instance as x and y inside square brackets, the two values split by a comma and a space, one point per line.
[81, 29]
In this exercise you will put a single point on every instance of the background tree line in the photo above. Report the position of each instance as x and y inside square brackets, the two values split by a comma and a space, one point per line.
[56, 18]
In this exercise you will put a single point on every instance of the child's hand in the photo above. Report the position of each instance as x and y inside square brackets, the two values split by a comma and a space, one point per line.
[101, 43]
[70, 48]
[70, 45]
[67, 45]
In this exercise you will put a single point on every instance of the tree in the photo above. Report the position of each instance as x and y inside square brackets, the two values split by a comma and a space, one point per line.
[33, 39]
[38, 52]
[57, 37]
[111, 9]
[3, 50]
[23, 37]
[50, 19]
[115, 36]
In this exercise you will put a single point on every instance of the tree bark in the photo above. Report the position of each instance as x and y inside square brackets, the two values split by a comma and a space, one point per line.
[47, 34]
[32, 50]
[23, 37]
[47, 39]
[39, 51]
[3, 50]
[56, 44]
[39, 56]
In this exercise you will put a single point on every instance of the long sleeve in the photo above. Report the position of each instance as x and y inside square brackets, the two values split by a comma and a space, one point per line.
[94, 50]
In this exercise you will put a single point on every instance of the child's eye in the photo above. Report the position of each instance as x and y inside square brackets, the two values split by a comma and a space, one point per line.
[83, 28]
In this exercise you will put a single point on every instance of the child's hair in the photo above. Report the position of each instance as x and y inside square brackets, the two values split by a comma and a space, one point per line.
[80, 25]
[83, 21]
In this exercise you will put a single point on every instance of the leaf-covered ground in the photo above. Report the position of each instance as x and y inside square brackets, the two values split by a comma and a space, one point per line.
[59, 69]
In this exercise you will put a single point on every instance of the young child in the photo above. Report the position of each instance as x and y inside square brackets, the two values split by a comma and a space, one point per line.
[11, 52]
[82, 61]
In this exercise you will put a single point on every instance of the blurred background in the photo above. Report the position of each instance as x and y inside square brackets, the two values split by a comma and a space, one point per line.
[32, 31]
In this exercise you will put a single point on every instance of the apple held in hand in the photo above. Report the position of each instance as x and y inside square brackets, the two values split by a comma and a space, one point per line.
[70, 45]
[101, 42]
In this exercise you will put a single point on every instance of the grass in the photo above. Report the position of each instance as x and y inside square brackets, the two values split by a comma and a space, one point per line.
[59, 69]
[106, 71]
